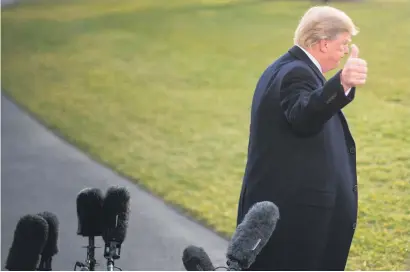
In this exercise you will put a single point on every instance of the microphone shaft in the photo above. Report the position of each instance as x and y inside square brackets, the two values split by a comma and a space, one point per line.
[91, 252]
[110, 265]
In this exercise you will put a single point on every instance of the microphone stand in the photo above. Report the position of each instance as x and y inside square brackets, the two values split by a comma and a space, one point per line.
[90, 261]
[110, 264]
[91, 253]
[112, 252]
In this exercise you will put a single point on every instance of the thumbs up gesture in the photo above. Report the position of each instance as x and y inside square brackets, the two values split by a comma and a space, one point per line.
[354, 72]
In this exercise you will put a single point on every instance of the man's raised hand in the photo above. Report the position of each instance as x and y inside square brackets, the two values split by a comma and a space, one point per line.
[354, 72]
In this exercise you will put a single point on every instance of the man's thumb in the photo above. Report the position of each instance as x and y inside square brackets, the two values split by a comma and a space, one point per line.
[354, 51]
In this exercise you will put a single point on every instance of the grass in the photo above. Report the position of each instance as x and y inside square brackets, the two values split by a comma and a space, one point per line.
[161, 92]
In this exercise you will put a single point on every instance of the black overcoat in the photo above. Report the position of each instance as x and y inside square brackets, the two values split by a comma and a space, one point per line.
[302, 157]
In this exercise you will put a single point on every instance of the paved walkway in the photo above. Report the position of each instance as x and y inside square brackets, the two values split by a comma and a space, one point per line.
[40, 172]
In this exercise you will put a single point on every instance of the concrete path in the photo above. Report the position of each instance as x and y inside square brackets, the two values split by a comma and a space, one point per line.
[41, 172]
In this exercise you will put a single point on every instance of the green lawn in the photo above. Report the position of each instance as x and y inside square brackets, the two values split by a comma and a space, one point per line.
[161, 93]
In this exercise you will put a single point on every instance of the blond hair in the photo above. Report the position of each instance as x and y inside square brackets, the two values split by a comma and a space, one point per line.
[322, 23]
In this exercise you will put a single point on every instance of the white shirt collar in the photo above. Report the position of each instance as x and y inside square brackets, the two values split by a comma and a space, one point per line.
[312, 58]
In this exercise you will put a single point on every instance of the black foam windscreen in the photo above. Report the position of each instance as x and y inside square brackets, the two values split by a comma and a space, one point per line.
[196, 259]
[116, 208]
[51, 246]
[252, 234]
[30, 237]
[89, 212]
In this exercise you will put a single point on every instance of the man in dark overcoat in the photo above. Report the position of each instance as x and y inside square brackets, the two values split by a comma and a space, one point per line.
[301, 154]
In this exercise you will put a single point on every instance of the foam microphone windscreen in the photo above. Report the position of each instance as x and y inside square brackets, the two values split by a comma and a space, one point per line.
[51, 246]
[30, 237]
[196, 259]
[89, 212]
[252, 234]
[116, 208]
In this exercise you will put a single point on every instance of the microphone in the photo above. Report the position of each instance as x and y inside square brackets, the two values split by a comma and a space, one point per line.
[115, 222]
[196, 259]
[30, 237]
[251, 235]
[51, 247]
[89, 214]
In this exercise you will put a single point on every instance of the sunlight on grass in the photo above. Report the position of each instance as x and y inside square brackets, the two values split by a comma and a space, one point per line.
[161, 90]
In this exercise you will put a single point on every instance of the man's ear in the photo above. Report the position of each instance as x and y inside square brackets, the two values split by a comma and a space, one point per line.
[323, 46]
